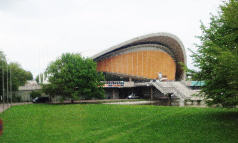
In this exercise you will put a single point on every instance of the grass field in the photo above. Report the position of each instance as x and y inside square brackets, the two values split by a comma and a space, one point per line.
[118, 123]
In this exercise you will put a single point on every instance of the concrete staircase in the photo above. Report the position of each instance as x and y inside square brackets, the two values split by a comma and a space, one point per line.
[175, 88]
[163, 87]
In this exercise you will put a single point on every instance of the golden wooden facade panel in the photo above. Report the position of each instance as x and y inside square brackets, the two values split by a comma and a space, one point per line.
[145, 64]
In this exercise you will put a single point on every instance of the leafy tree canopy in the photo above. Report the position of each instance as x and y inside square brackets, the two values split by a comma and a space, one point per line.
[217, 56]
[19, 75]
[73, 76]
[12, 71]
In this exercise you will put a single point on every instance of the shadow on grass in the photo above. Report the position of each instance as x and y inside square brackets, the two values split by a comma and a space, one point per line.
[226, 116]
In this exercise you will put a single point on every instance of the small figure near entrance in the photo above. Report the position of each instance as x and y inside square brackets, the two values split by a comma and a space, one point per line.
[160, 76]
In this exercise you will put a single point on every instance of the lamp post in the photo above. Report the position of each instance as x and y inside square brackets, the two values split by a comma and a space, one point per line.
[7, 85]
[10, 83]
[3, 84]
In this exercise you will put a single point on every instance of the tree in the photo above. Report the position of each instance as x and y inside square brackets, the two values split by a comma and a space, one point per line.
[35, 93]
[12, 75]
[3, 65]
[73, 76]
[19, 75]
[217, 57]
[28, 75]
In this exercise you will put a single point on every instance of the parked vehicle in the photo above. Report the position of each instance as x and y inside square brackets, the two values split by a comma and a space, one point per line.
[133, 96]
[41, 100]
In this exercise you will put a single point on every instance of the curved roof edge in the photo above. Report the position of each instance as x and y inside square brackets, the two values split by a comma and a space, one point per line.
[144, 37]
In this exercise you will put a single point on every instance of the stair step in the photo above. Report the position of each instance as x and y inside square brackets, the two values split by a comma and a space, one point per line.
[177, 88]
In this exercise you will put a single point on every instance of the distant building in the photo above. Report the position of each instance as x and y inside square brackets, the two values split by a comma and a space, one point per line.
[24, 92]
[30, 86]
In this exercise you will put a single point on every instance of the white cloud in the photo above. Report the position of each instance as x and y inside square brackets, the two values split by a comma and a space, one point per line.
[30, 29]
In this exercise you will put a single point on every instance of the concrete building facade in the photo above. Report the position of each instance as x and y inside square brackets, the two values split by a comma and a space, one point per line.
[141, 63]
[145, 57]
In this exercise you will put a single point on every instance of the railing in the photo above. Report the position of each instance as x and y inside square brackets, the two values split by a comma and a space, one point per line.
[143, 84]
[160, 87]
[180, 93]
[167, 87]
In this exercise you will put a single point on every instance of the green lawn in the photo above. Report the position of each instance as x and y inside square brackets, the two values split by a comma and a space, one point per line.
[118, 123]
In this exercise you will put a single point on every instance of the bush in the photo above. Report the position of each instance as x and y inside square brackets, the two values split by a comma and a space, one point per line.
[35, 94]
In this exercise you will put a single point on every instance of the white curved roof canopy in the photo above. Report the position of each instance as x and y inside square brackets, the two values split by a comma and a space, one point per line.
[166, 39]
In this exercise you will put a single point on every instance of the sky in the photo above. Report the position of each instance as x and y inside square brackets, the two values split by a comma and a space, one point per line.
[36, 32]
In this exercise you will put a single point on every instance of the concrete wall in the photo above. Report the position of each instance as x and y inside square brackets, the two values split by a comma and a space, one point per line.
[24, 95]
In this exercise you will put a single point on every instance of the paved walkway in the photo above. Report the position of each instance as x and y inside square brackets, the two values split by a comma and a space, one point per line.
[6, 106]
[133, 102]
[98, 101]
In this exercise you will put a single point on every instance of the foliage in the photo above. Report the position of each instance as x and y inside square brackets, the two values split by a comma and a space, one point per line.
[217, 57]
[14, 71]
[28, 75]
[118, 124]
[19, 75]
[15, 98]
[72, 76]
[35, 93]
[3, 65]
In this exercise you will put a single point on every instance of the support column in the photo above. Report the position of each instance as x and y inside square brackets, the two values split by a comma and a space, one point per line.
[130, 79]
[115, 93]
[151, 93]
[170, 100]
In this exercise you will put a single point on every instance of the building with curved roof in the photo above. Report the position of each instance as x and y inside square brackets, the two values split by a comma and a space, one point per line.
[145, 57]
